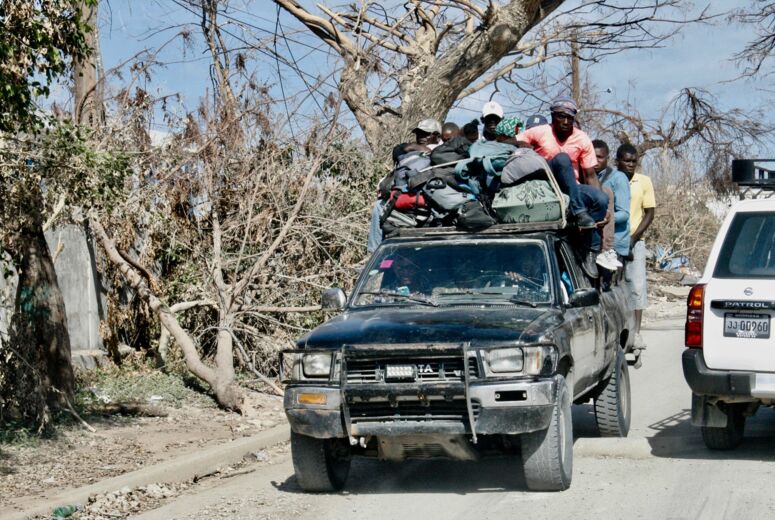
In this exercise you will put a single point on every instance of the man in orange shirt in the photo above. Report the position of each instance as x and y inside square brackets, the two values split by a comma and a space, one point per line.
[570, 154]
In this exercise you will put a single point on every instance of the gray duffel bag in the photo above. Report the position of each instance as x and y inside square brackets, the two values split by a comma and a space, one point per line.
[446, 198]
[523, 163]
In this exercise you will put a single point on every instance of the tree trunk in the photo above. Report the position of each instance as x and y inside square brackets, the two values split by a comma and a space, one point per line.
[220, 378]
[88, 106]
[227, 392]
[41, 377]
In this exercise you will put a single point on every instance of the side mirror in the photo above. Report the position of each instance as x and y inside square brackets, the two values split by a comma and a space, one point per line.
[333, 299]
[584, 298]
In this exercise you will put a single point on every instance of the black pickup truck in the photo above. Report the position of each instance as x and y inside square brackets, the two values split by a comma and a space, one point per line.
[456, 345]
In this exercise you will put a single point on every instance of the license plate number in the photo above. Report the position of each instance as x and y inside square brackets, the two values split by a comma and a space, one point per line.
[754, 326]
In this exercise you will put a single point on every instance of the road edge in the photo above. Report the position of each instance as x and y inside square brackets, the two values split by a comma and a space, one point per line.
[179, 469]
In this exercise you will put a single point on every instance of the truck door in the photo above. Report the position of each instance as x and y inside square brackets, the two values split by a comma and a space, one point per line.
[585, 322]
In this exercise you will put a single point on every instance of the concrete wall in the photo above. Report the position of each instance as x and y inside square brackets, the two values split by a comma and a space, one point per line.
[76, 268]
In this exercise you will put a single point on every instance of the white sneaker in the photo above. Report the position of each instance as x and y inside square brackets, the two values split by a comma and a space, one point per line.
[608, 260]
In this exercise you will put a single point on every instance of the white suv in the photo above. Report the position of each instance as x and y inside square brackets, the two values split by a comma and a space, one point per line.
[730, 360]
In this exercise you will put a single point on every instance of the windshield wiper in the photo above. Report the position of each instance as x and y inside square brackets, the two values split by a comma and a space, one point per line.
[408, 297]
[525, 303]
[474, 292]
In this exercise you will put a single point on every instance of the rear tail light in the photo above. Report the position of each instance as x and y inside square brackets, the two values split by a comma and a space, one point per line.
[694, 305]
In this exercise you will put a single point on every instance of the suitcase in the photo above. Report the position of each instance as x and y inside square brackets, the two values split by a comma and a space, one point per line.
[530, 201]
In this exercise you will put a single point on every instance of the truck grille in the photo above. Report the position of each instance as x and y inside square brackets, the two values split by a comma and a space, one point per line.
[433, 410]
[428, 369]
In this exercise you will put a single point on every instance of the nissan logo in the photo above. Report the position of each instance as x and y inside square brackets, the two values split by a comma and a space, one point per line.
[748, 291]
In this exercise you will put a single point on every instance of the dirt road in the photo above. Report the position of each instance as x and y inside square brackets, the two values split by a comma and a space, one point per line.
[661, 471]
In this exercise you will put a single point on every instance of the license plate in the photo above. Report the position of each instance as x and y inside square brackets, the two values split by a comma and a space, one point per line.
[400, 372]
[754, 326]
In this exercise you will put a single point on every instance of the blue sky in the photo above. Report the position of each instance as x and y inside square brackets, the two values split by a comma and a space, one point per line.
[699, 57]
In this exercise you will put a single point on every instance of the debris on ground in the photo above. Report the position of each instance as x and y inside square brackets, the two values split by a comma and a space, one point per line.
[127, 502]
[125, 443]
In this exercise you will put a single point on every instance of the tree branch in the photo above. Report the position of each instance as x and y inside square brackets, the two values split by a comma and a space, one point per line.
[167, 318]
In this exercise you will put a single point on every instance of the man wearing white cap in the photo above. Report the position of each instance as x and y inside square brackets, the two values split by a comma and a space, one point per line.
[492, 113]
[427, 134]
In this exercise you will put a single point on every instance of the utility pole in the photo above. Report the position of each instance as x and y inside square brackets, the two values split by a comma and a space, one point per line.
[575, 76]
[575, 72]
[88, 108]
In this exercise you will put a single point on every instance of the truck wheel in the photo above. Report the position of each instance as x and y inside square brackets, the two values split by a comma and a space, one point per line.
[728, 437]
[612, 405]
[320, 464]
[547, 455]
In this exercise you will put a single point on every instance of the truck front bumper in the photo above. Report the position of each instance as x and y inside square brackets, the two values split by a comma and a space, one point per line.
[498, 408]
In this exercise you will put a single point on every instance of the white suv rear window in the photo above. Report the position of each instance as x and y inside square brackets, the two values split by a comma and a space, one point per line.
[749, 247]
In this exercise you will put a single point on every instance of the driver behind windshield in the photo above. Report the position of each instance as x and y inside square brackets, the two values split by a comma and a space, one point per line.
[531, 274]
[403, 276]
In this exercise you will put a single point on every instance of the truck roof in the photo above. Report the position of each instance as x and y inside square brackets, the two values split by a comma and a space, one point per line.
[764, 204]
[494, 230]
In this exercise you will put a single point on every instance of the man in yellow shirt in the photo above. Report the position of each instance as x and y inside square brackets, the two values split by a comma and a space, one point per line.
[642, 206]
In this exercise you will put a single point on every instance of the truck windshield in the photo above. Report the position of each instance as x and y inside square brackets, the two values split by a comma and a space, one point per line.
[749, 247]
[453, 273]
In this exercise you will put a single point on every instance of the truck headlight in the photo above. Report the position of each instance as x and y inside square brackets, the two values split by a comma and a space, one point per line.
[317, 364]
[539, 360]
[504, 360]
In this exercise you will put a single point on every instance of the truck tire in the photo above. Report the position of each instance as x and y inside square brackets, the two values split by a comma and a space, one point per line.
[728, 437]
[613, 405]
[321, 465]
[547, 455]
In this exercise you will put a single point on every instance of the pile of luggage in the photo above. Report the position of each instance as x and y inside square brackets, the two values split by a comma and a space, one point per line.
[471, 186]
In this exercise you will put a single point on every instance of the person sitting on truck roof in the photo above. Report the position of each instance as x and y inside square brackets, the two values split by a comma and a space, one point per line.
[471, 131]
[427, 134]
[535, 120]
[507, 129]
[449, 131]
[492, 114]
[569, 150]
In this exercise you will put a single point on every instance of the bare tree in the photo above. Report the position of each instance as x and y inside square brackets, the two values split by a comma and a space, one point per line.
[758, 53]
[243, 225]
[691, 114]
[405, 62]
[691, 126]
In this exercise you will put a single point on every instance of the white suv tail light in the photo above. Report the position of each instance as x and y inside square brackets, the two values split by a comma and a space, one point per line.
[694, 309]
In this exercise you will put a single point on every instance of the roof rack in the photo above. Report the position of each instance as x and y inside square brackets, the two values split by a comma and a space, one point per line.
[754, 178]
[496, 229]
